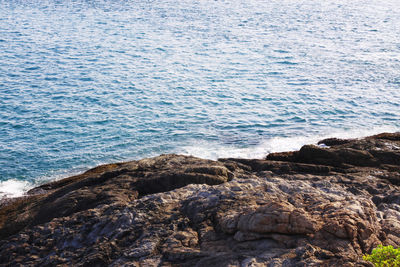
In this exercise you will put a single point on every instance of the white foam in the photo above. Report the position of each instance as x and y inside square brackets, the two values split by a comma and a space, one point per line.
[13, 188]
[275, 144]
[207, 150]
[17, 188]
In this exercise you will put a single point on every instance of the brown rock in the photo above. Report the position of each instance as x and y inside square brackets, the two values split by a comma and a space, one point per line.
[320, 206]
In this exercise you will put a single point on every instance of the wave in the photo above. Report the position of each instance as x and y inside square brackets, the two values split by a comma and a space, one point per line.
[214, 150]
[14, 188]
[275, 144]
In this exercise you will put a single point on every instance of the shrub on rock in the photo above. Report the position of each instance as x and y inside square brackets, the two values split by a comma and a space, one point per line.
[384, 256]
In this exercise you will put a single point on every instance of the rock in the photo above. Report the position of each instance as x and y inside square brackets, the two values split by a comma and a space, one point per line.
[333, 141]
[319, 206]
[381, 150]
[277, 217]
[107, 184]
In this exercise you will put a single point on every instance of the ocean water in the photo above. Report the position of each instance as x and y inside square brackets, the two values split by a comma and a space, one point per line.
[90, 82]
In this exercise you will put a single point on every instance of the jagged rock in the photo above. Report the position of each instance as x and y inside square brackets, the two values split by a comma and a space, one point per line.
[333, 142]
[381, 151]
[320, 206]
[107, 184]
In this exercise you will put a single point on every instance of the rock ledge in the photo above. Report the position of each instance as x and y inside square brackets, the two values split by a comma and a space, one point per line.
[324, 205]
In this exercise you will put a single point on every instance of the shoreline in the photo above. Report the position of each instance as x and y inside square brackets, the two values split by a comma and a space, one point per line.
[18, 188]
[320, 205]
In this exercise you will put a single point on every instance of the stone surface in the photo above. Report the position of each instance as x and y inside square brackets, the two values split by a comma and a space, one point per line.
[323, 205]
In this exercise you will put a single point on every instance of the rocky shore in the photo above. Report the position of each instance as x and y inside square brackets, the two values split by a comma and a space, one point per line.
[324, 205]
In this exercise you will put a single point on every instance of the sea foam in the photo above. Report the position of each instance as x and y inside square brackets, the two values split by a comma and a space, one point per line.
[13, 188]
[275, 144]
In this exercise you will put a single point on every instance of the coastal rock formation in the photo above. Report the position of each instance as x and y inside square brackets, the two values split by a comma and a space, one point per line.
[324, 205]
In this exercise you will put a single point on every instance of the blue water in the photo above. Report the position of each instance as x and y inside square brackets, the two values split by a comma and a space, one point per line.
[90, 82]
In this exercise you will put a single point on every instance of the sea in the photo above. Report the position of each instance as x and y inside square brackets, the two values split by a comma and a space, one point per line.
[88, 82]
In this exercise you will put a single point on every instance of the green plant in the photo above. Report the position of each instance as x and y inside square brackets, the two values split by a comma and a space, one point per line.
[384, 256]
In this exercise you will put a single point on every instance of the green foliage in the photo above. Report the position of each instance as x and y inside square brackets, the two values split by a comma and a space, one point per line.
[384, 256]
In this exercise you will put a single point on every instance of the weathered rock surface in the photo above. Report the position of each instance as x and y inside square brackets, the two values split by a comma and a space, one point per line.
[324, 205]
